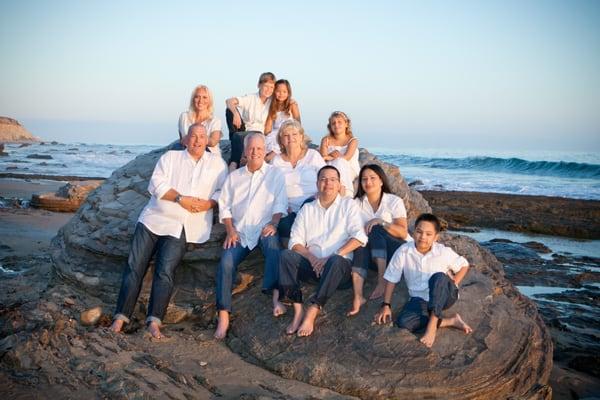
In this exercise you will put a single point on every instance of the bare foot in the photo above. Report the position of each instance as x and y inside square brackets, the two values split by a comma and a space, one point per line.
[154, 330]
[378, 292]
[308, 323]
[458, 323]
[298, 314]
[117, 326]
[278, 308]
[357, 302]
[223, 325]
[428, 338]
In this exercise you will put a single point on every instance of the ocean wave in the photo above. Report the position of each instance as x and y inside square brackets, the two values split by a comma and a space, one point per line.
[513, 165]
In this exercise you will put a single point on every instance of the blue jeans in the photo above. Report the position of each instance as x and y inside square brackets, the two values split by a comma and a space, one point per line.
[232, 257]
[169, 251]
[443, 293]
[380, 245]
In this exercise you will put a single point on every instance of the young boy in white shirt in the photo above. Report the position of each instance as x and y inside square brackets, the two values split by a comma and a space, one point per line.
[432, 272]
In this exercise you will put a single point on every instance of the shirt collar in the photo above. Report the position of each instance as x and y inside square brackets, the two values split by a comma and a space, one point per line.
[336, 202]
[262, 170]
[435, 249]
[189, 156]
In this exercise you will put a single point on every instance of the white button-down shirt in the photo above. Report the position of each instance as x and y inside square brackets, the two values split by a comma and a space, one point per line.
[177, 170]
[390, 207]
[300, 181]
[253, 111]
[419, 268]
[251, 200]
[325, 230]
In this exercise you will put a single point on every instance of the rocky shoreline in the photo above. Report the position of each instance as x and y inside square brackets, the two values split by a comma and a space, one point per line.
[555, 216]
[41, 329]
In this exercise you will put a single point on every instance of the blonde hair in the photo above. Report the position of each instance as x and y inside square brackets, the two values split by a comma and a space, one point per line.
[292, 124]
[345, 118]
[192, 108]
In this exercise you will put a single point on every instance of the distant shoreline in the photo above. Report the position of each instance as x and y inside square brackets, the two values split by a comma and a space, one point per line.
[50, 177]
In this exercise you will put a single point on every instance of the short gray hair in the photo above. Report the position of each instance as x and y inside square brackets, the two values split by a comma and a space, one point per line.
[252, 135]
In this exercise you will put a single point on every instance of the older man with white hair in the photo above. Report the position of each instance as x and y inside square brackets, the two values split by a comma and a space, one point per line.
[252, 202]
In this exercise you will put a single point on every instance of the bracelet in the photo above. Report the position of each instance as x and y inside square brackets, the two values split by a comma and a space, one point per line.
[383, 304]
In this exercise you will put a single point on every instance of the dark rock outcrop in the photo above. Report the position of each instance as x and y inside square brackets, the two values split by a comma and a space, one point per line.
[67, 199]
[509, 354]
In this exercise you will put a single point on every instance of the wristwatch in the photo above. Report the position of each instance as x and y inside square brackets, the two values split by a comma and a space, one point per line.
[383, 304]
[178, 198]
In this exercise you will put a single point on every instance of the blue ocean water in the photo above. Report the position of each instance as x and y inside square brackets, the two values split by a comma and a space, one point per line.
[565, 174]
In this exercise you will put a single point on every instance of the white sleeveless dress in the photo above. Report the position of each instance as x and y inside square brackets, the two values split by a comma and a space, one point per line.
[349, 169]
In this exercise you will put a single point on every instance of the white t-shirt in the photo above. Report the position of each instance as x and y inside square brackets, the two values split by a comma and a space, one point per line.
[251, 199]
[300, 182]
[419, 268]
[390, 207]
[253, 111]
[177, 170]
[211, 125]
[325, 230]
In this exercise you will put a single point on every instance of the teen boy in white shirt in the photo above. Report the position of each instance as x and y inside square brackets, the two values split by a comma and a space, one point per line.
[248, 113]
[432, 272]
[324, 235]
[252, 202]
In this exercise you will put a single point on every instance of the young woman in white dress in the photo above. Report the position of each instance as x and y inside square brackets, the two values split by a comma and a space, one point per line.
[283, 108]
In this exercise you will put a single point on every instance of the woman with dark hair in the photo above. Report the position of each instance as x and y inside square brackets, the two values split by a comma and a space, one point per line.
[384, 219]
[283, 108]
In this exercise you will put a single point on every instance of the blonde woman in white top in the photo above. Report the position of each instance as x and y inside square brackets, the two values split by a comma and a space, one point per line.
[201, 112]
[300, 166]
[384, 219]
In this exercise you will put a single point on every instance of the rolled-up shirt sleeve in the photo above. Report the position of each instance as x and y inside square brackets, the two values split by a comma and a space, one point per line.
[220, 182]
[159, 182]
[225, 200]
[455, 262]
[393, 272]
[354, 227]
[298, 232]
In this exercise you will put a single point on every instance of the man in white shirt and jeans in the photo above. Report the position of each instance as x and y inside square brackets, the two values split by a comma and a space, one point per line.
[247, 114]
[252, 202]
[185, 186]
[432, 272]
[323, 237]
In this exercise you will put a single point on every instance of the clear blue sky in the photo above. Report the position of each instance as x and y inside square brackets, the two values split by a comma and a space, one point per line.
[477, 74]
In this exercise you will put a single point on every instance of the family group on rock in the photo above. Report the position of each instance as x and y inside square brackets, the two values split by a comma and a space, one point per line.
[299, 206]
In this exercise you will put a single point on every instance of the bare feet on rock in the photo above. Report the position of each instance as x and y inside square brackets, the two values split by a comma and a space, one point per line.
[357, 302]
[298, 314]
[117, 326]
[429, 337]
[308, 323]
[278, 308]
[154, 330]
[222, 326]
[378, 291]
[458, 323]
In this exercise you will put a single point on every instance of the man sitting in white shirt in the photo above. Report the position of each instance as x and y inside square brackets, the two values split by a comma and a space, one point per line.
[184, 186]
[252, 202]
[248, 113]
[432, 272]
[323, 237]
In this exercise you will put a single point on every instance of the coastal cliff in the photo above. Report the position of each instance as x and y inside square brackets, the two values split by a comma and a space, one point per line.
[12, 131]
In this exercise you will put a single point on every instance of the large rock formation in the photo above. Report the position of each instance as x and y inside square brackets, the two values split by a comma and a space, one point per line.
[12, 131]
[509, 354]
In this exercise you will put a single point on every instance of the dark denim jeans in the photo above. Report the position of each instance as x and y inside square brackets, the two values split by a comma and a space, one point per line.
[294, 267]
[443, 293]
[232, 257]
[380, 245]
[169, 251]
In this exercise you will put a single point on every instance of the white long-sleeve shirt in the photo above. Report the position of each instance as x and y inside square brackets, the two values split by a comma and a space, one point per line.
[325, 230]
[177, 170]
[253, 111]
[418, 268]
[251, 200]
